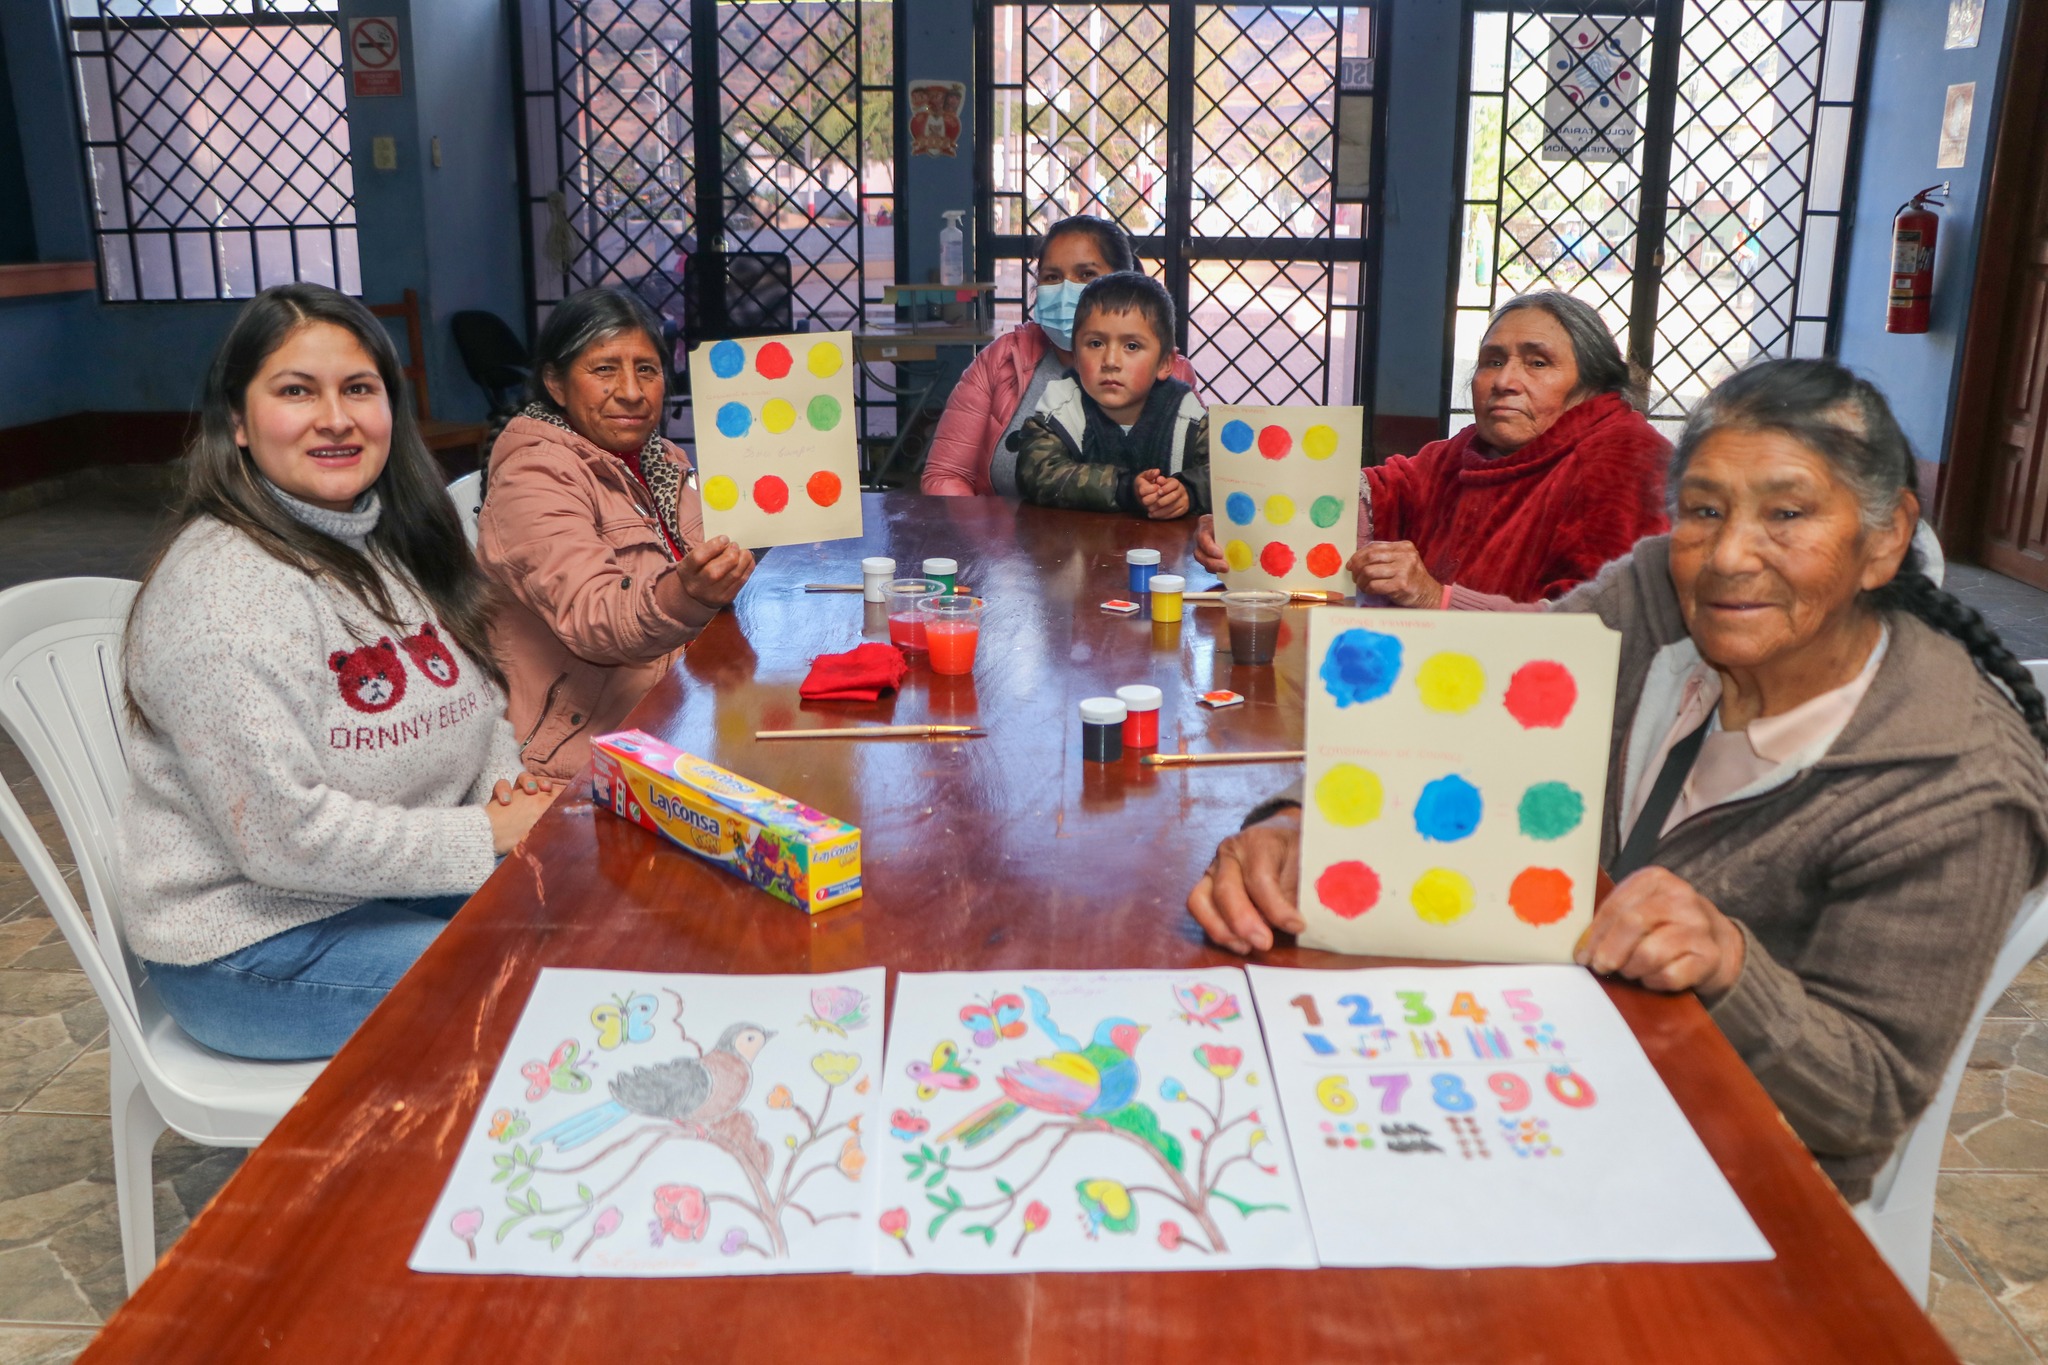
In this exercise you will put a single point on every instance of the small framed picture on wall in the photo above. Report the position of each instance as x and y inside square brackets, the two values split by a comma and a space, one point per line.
[1965, 23]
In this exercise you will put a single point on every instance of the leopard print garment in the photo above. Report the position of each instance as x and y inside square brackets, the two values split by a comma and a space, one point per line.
[663, 476]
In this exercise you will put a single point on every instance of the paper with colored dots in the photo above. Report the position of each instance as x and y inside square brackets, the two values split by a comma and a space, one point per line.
[1284, 483]
[778, 447]
[1455, 778]
[1459, 1117]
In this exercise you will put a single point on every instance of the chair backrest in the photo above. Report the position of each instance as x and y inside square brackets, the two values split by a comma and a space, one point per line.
[415, 367]
[737, 294]
[467, 493]
[61, 701]
[491, 351]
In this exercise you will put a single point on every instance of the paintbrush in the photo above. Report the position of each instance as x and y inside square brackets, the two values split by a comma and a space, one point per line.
[1296, 595]
[1244, 756]
[962, 590]
[878, 732]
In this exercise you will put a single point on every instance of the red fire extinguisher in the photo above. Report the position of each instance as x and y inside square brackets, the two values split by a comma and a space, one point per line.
[1913, 261]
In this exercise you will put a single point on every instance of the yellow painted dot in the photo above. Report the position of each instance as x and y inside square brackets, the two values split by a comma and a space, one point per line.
[777, 415]
[1451, 682]
[1279, 509]
[1441, 896]
[1238, 555]
[1319, 442]
[1349, 795]
[721, 493]
[824, 360]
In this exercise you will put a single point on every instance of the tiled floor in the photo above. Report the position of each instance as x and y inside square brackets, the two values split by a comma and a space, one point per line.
[60, 1244]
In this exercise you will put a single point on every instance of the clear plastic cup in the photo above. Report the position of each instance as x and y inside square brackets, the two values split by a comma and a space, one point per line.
[952, 629]
[1254, 624]
[906, 625]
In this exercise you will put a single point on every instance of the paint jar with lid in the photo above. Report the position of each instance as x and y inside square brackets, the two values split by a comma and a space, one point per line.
[944, 571]
[1102, 729]
[876, 571]
[1142, 564]
[1141, 724]
[1165, 594]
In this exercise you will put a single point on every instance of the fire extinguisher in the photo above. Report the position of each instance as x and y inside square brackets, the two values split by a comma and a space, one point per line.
[1913, 261]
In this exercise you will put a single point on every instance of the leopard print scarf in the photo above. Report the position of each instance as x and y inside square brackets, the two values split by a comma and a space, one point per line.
[663, 476]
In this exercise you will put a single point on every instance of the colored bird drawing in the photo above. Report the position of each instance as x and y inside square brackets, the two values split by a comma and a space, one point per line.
[1080, 1096]
[690, 1092]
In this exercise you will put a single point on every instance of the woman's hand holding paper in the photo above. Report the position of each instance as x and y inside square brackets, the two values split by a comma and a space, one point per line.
[1393, 569]
[1248, 890]
[1656, 930]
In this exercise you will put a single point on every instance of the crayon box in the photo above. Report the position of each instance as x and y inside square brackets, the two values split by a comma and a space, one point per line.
[792, 852]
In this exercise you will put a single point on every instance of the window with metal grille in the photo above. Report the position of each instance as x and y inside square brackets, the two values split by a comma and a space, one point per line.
[216, 144]
[1679, 164]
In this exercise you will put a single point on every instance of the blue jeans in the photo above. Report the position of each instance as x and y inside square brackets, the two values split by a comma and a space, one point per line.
[300, 994]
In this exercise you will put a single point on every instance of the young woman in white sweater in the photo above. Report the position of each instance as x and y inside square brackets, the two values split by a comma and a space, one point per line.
[322, 768]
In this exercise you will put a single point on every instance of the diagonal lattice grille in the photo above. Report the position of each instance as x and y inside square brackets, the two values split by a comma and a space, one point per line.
[218, 146]
[1094, 115]
[1265, 109]
[1263, 330]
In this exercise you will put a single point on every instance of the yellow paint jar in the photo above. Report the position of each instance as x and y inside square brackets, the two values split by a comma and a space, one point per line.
[1166, 591]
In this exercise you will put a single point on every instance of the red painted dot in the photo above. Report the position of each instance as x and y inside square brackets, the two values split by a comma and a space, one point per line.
[824, 487]
[1324, 561]
[1351, 1142]
[772, 360]
[1541, 694]
[770, 493]
[1540, 895]
[1349, 889]
[1274, 442]
[1277, 558]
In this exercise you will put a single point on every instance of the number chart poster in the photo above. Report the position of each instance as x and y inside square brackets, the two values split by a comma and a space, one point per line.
[778, 446]
[648, 1124]
[1284, 483]
[1082, 1121]
[1460, 1117]
[1457, 765]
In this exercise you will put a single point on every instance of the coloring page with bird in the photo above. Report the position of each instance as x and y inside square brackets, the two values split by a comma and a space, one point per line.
[1460, 1117]
[1081, 1121]
[1457, 765]
[658, 1124]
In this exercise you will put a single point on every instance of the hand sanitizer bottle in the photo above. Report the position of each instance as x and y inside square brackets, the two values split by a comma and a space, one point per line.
[952, 249]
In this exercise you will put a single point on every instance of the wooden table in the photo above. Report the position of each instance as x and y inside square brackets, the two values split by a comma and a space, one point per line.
[1002, 852]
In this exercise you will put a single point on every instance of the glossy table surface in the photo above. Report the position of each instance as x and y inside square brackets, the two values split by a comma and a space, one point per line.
[1004, 852]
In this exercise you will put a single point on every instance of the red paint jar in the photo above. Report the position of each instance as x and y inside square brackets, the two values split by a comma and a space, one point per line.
[1141, 723]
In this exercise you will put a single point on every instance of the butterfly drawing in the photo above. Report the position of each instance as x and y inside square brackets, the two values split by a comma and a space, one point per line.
[835, 1009]
[1203, 1004]
[944, 1072]
[508, 1124]
[906, 1125]
[624, 1021]
[558, 1072]
[1001, 1018]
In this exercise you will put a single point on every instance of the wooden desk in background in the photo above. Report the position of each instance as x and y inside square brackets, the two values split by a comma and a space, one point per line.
[1005, 852]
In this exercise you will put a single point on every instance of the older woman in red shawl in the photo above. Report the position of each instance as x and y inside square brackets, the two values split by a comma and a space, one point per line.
[1557, 475]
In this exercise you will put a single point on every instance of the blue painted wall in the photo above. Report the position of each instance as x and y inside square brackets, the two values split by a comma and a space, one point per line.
[1909, 77]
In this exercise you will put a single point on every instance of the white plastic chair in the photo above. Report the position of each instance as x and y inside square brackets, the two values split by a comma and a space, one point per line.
[60, 701]
[467, 493]
[1899, 1215]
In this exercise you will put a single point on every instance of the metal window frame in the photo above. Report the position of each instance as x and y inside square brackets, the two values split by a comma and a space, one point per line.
[108, 25]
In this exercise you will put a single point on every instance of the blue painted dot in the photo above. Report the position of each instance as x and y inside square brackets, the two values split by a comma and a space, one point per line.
[727, 359]
[1361, 666]
[734, 420]
[1240, 508]
[1237, 436]
[1448, 809]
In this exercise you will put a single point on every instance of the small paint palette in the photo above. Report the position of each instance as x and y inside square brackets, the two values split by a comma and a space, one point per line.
[1121, 607]
[1222, 699]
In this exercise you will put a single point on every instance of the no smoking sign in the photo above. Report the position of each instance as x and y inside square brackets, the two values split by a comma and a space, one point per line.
[373, 57]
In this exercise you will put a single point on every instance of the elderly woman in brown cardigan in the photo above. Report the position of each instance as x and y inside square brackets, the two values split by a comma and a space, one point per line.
[1826, 795]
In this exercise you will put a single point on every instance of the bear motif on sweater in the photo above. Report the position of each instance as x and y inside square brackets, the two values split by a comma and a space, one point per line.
[372, 678]
[431, 657]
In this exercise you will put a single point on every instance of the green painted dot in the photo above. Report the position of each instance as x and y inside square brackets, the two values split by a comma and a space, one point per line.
[1550, 810]
[1325, 510]
[823, 412]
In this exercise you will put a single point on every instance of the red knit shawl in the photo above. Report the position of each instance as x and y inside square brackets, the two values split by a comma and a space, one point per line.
[1539, 522]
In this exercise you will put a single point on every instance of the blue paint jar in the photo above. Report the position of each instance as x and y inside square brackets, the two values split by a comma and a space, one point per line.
[1142, 564]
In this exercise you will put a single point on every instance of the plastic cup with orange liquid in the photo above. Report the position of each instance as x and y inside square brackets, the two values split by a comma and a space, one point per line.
[952, 629]
[906, 624]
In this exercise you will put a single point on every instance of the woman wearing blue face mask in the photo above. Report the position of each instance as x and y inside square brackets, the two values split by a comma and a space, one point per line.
[970, 452]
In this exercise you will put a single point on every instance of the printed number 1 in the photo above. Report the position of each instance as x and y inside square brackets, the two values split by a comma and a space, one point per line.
[1307, 1005]
[1392, 1088]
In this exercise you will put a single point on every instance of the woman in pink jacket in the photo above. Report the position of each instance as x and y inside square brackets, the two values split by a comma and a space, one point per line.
[970, 454]
[591, 524]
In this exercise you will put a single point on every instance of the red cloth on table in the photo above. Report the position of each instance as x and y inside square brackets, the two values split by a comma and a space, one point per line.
[863, 673]
[1535, 524]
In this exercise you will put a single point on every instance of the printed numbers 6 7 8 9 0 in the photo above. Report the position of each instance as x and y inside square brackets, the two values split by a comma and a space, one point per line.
[1448, 1092]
